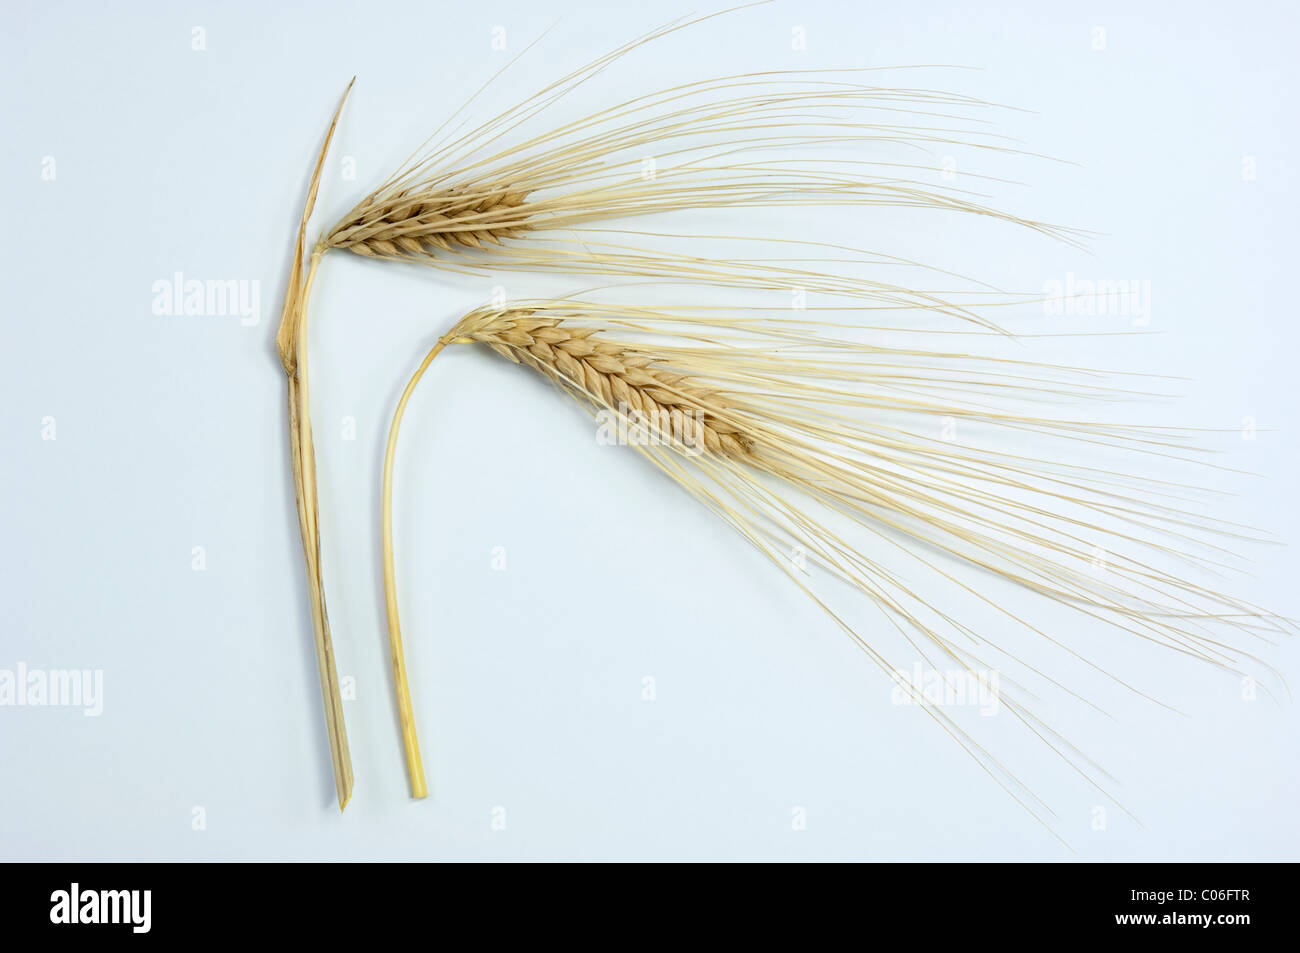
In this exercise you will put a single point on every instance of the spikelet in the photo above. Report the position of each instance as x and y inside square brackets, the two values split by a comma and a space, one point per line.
[615, 375]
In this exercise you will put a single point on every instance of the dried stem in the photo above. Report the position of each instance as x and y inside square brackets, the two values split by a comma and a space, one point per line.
[405, 712]
[291, 340]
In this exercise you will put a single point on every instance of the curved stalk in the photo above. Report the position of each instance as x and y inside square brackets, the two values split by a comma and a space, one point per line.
[405, 711]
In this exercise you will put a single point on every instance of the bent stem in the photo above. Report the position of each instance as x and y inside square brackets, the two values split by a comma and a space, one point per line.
[291, 341]
[405, 712]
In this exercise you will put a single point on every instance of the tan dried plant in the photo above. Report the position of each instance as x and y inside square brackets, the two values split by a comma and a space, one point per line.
[510, 193]
[799, 438]
[782, 427]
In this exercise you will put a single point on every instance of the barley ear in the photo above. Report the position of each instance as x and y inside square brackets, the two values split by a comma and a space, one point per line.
[291, 341]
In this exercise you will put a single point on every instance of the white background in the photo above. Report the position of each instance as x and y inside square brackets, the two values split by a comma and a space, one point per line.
[171, 434]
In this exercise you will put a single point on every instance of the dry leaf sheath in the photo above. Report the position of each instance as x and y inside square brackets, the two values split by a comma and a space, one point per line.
[291, 341]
